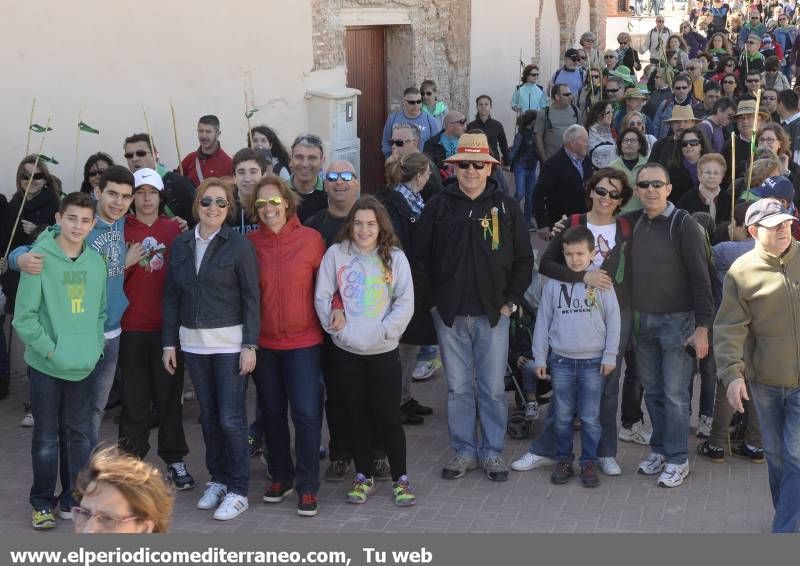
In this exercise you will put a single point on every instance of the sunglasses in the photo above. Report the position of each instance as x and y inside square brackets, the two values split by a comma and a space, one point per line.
[690, 143]
[462, 122]
[95, 173]
[601, 192]
[630, 141]
[428, 93]
[137, 153]
[623, 43]
[274, 201]
[534, 75]
[205, 202]
[609, 56]
[648, 184]
[400, 143]
[566, 94]
[474, 164]
[333, 176]
[612, 90]
[36, 177]
[418, 101]
[729, 82]
[753, 80]
[680, 88]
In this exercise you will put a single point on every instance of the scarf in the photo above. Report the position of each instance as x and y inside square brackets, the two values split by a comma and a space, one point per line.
[710, 198]
[413, 199]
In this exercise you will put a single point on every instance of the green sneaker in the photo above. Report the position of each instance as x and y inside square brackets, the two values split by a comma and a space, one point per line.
[43, 519]
[362, 487]
[403, 497]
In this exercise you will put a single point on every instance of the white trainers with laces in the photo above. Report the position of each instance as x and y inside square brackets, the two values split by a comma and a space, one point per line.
[704, 423]
[213, 494]
[653, 465]
[638, 434]
[232, 506]
[673, 475]
[531, 461]
[609, 466]
[425, 370]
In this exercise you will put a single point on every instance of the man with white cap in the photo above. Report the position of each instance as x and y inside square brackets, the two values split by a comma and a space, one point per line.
[473, 261]
[145, 382]
[756, 338]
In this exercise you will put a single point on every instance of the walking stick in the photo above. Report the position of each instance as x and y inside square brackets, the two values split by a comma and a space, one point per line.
[175, 133]
[30, 125]
[733, 176]
[753, 144]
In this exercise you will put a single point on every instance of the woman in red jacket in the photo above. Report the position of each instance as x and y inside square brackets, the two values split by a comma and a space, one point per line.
[288, 367]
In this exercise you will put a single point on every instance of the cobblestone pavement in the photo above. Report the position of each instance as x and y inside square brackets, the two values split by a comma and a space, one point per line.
[730, 497]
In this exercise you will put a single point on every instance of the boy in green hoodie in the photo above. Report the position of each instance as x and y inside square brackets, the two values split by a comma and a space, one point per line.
[59, 316]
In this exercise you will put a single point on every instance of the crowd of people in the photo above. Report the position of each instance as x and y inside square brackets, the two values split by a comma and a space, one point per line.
[274, 266]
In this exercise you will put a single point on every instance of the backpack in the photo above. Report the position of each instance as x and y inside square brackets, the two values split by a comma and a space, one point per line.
[549, 125]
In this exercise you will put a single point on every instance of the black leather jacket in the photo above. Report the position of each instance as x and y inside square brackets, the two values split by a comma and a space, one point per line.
[224, 292]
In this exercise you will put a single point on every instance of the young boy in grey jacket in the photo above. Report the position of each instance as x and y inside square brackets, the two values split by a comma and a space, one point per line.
[580, 327]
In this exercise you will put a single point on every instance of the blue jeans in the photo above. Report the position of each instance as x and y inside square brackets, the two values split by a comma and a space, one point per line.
[427, 353]
[471, 347]
[100, 381]
[290, 379]
[778, 410]
[61, 412]
[665, 370]
[577, 388]
[221, 394]
[524, 182]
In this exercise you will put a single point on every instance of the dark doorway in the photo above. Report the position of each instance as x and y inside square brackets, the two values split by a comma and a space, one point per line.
[365, 52]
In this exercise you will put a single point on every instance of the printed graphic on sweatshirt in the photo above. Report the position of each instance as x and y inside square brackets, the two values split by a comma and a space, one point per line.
[363, 286]
[153, 250]
[75, 284]
[572, 302]
[111, 248]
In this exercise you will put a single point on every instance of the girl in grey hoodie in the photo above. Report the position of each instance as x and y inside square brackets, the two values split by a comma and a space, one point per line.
[365, 299]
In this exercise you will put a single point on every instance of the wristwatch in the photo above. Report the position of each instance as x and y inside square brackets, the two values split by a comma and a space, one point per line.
[512, 306]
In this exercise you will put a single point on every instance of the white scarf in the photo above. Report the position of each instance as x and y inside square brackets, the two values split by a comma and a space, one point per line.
[709, 197]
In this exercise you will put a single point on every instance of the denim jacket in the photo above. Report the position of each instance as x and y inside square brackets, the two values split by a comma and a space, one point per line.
[223, 292]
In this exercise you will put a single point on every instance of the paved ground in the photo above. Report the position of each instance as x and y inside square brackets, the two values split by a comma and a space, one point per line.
[731, 497]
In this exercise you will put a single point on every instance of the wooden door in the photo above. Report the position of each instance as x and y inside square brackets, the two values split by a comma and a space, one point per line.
[365, 52]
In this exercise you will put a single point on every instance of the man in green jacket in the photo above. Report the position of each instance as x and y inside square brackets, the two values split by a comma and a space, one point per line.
[59, 316]
[757, 337]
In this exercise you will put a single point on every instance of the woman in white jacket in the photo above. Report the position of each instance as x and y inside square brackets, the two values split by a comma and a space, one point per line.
[365, 299]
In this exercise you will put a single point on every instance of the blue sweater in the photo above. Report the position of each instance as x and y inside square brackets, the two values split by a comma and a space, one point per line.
[427, 124]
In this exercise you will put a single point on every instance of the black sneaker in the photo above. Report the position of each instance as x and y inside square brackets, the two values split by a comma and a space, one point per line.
[307, 505]
[563, 472]
[711, 453]
[589, 474]
[413, 406]
[180, 477]
[277, 492]
[381, 470]
[252, 447]
[756, 456]
[410, 417]
[337, 471]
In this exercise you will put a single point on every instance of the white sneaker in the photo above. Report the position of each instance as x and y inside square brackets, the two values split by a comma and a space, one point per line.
[65, 514]
[638, 433]
[609, 466]
[653, 465]
[673, 475]
[425, 370]
[531, 461]
[27, 420]
[232, 506]
[213, 494]
[704, 426]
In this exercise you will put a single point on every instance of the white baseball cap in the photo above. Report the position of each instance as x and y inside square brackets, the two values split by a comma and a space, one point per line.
[147, 176]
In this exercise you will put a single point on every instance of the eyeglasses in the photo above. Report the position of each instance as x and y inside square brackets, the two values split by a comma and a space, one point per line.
[463, 121]
[274, 201]
[648, 184]
[630, 141]
[730, 64]
[767, 140]
[771, 98]
[428, 93]
[635, 124]
[680, 88]
[623, 43]
[401, 143]
[690, 143]
[137, 153]
[474, 164]
[81, 516]
[95, 173]
[36, 177]
[753, 80]
[417, 101]
[205, 202]
[601, 192]
[334, 176]
[729, 82]
[612, 90]
[534, 75]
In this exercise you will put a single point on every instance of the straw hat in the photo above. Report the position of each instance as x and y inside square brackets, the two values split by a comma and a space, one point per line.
[682, 113]
[635, 93]
[747, 107]
[473, 147]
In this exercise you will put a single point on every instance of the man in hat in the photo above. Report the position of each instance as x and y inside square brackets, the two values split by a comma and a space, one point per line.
[759, 289]
[682, 118]
[745, 121]
[553, 121]
[751, 58]
[444, 144]
[715, 123]
[571, 73]
[635, 99]
[474, 260]
[681, 96]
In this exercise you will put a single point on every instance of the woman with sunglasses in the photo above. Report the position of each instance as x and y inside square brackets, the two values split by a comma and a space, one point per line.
[430, 101]
[591, 91]
[528, 95]
[211, 311]
[287, 374]
[632, 149]
[607, 190]
[120, 494]
[690, 146]
[365, 300]
[725, 66]
[92, 169]
[627, 55]
[601, 141]
[694, 41]
[730, 86]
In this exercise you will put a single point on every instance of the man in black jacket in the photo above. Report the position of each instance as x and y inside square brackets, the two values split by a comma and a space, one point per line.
[444, 144]
[474, 261]
[559, 190]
